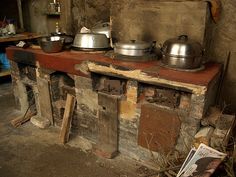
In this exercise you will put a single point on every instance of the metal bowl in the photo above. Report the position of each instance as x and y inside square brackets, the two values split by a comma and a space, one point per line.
[91, 41]
[51, 44]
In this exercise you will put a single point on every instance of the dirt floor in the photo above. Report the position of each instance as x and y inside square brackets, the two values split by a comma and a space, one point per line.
[28, 151]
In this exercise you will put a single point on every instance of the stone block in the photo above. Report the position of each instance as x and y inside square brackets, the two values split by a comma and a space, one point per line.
[185, 102]
[197, 106]
[187, 133]
[203, 136]
[40, 122]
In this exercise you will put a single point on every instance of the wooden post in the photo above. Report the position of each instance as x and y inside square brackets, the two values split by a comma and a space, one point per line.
[67, 118]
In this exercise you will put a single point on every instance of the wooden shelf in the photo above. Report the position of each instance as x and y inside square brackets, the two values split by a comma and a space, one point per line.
[53, 13]
[5, 73]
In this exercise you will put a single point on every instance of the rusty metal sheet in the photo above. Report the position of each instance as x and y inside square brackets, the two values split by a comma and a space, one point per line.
[158, 128]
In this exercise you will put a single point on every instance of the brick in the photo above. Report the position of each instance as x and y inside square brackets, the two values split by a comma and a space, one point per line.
[132, 92]
[185, 102]
[40, 122]
[127, 110]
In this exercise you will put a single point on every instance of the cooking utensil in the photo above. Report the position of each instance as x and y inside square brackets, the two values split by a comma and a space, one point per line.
[133, 48]
[91, 41]
[182, 53]
[51, 44]
[68, 39]
[102, 28]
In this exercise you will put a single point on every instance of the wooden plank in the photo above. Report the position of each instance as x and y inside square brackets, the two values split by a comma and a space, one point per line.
[107, 145]
[22, 119]
[5, 73]
[44, 99]
[67, 118]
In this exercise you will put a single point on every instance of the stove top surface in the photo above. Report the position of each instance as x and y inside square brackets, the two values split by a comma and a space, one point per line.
[144, 58]
[202, 67]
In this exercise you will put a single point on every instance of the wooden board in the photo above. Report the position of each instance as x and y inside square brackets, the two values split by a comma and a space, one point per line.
[44, 99]
[67, 118]
[107, 145]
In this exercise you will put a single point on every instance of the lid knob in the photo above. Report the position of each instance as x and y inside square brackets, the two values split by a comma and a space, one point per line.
[183, 37]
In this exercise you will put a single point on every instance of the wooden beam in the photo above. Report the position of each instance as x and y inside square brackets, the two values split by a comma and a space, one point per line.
[67, 118]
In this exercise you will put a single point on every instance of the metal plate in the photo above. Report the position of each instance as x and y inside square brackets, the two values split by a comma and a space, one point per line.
[158, 128]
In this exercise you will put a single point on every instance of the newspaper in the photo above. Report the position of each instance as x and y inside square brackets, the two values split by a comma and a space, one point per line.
[201, 162]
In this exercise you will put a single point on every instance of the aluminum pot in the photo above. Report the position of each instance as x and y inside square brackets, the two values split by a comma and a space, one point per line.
[133, 48]
[91, 41]
[182, 53]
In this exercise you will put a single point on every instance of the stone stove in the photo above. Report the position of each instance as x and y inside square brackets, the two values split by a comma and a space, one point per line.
[124, 107]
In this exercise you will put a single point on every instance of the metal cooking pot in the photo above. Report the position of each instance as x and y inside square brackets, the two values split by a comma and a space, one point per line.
[91, 41]
[182, 53]
[51, 44]
[133, 48]
[103, 28]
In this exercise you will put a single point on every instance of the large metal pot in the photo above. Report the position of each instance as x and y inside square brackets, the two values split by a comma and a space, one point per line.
[91, 41]
[133, 48]
[182, 53]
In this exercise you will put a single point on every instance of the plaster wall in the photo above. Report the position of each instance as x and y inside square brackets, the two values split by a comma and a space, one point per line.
[223, 41]
[89, 12]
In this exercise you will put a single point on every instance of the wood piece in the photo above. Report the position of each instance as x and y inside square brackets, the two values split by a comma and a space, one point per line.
[22, 119]
[107, 145]
[44, 99]
[67, 118]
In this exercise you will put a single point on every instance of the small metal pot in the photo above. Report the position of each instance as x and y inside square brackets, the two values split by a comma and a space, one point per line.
[182, 53]
[91, 41]
[51, 44]
[133, 48]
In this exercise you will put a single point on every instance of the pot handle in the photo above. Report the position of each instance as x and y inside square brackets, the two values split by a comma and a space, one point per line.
[183, 37]
[153, 45]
